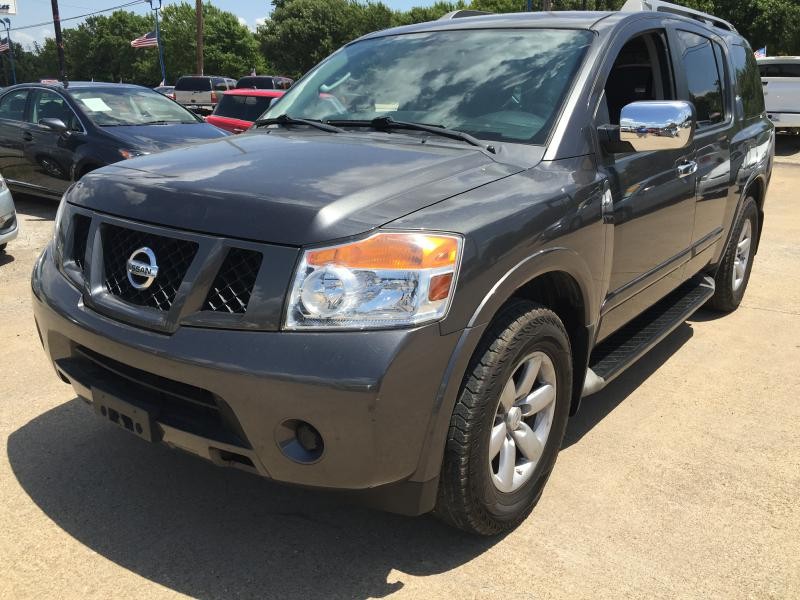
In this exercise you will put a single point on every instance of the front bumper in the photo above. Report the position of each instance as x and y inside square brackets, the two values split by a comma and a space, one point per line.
[9, 225]
[371, 395]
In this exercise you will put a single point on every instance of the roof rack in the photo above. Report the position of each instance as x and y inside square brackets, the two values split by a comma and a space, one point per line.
[457, 14]
[658, 5]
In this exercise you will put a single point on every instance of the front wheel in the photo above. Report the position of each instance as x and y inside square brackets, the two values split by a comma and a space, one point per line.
[737, 261]
[508, 423]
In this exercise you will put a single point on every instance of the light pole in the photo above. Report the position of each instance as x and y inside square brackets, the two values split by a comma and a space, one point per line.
[155, 9]
[7, 26]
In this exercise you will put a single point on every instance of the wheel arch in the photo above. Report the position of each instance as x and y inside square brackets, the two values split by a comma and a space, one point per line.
[757, 188]
[557, 279]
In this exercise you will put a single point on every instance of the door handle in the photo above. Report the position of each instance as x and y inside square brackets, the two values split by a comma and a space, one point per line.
[687, 168]
[27, 136]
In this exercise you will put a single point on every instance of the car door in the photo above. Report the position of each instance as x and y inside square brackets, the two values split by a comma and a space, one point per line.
[12, 116]
[705, 81]
[652, 193]
[49, 153]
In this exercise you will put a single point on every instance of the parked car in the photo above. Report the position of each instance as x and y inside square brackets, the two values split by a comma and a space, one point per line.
[167, 90]
[201, 92]
[51, 136]
[9, 227]
[406, 296]
[264, 82]
[238, 109]
[780, 76]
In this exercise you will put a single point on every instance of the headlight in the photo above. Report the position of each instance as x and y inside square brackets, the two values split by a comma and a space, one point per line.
[386, 280]
[126, 154]
[59, 233]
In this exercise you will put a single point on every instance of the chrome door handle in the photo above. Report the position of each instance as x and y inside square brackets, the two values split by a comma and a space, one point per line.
[687, 168]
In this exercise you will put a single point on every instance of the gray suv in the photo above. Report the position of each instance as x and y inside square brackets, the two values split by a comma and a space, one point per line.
[403, 281]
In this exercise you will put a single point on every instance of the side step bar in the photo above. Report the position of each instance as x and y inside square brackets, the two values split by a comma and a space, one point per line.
[627, 345]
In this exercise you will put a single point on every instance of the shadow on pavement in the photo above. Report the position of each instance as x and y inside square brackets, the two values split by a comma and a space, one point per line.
[787, 144]
[598, 406]
[216, 533]
[6, 258]
[42, 209]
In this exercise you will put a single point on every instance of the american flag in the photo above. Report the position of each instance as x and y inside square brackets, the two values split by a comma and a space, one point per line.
[148, 40]
[4, 45]
[761, 52]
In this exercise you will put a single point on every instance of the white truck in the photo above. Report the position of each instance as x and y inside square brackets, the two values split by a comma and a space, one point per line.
[780, 78]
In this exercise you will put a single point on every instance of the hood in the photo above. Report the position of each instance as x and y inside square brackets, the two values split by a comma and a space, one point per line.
[292, 189]
[154, 138]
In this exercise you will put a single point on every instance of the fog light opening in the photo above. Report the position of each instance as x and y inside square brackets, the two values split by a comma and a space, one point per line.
[300, 441]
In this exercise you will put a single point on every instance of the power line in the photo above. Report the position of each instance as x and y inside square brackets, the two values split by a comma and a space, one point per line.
[96, 12]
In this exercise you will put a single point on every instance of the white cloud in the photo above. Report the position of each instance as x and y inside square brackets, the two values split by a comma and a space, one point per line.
[242, 21]
[27, 37]
[260, 21]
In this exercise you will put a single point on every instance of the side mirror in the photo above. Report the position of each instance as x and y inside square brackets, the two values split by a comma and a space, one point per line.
[657, 125]
[54, 125]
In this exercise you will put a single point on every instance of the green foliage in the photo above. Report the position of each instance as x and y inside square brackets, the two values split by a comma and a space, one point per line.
[300, 33]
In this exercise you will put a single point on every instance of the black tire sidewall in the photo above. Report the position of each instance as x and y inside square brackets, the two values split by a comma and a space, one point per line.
[551, 340]
[727, 297]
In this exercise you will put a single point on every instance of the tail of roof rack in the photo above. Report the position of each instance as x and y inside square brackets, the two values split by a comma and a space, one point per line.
[658, 5]
[457, 14]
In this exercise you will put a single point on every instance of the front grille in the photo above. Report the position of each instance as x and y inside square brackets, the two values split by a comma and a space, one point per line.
[174, 257]
[234, 283]
[80, 237]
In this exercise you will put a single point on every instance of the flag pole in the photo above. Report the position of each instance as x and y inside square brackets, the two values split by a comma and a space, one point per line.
[158, 39]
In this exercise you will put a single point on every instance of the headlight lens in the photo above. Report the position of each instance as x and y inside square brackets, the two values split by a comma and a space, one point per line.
[386, 280]
[59, 233]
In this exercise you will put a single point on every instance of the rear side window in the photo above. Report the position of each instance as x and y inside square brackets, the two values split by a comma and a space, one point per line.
[193, 84]
[704, 78]
[12, 106]
[748, 83]
[245, 108]
[776, 69]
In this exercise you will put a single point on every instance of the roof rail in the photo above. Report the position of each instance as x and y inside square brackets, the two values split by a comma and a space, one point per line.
[658, 5]
[457, 14]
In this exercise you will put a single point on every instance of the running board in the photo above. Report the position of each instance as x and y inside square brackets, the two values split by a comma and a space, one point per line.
[628, 344]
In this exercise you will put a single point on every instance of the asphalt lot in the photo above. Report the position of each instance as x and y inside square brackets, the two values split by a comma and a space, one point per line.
[681, 479]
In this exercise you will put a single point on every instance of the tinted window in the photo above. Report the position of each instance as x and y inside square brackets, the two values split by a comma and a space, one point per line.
[772, 69]
[703, 78]
[748, 83]
[246, 108]
[498, 84]
[49, 105]
[12, 106]
[259, 83]
[193, 84]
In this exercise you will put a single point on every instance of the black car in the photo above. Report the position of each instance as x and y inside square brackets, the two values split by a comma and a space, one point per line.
[51, 136]
[264, 82]
[405, 292]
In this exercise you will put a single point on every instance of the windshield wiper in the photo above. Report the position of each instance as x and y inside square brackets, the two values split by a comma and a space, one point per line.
[285, 120]
[385, 123]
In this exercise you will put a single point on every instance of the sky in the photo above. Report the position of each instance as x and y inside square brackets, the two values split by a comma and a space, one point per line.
[30, 12]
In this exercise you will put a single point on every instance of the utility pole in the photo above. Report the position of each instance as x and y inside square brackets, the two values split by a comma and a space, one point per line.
[199, 11]
[62, 76]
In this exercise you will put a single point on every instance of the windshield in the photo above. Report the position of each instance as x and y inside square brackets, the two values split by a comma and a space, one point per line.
[496, 84]
[193, 84]
[129, 106]
[245, 108]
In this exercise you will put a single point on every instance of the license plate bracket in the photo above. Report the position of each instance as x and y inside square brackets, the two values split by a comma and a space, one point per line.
[139, 420]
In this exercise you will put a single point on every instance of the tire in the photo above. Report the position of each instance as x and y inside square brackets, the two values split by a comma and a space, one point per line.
[470, 495]
[730, 286]
[3, 248]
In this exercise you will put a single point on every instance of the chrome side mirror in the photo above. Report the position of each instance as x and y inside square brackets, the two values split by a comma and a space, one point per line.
[657, 125]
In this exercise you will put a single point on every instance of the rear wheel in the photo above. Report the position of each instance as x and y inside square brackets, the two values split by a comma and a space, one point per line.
[508, 423]
[737, 261]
